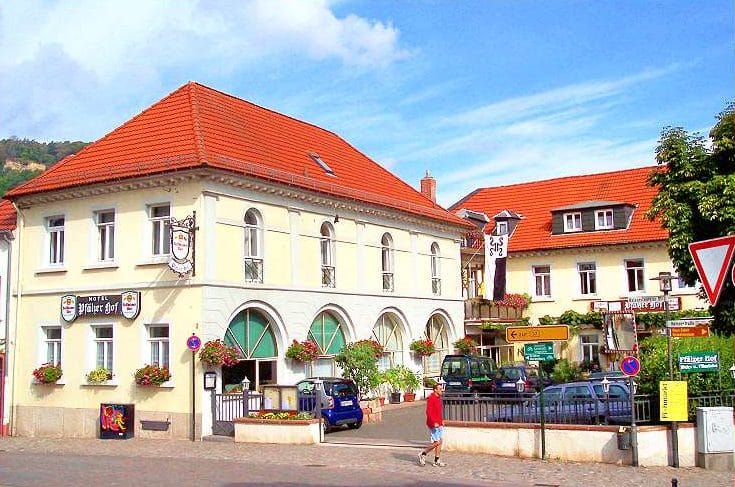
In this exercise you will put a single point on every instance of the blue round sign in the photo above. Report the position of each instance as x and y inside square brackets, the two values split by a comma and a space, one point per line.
[630, 366]
[193, 343]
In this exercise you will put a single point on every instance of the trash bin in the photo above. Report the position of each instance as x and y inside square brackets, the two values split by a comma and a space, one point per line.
[117, 421]
[624, 438]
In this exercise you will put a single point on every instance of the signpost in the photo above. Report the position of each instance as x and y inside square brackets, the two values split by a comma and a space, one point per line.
[712, 257]
[630, 366]
[193, 343]
[539, 352]
[699, 362]
[689, 331]
[536, 333]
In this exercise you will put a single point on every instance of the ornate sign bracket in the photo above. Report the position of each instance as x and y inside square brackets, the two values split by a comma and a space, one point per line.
[183, 253]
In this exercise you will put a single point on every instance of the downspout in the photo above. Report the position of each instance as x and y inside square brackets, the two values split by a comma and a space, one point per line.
[7, 236]
[20, 225]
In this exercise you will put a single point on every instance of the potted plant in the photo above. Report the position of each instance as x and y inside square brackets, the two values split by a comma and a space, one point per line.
[411, 382]
[466, 345]
[423, 347]
[392, 377]
[306, 351]
[100, 375]
[401, 378]
[152, 375]
[216, 353]
[48, 373]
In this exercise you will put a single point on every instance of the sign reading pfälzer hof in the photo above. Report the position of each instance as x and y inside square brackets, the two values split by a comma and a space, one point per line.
[126, 304]
[182, 245]
[691, 362]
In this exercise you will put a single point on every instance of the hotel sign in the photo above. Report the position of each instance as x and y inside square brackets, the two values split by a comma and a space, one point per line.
[182, 245]
[638, 304]
[126, 304]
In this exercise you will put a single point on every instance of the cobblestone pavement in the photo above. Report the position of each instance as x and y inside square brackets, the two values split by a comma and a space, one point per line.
[381, 462]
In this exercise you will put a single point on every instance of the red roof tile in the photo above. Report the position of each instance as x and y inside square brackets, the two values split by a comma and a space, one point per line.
[196, 126]
[7, 216]
[535, 200]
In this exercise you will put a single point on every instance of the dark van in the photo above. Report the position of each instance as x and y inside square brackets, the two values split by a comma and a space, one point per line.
[468, 373]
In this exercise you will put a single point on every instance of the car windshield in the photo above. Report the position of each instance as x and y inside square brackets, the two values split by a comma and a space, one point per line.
[510, 374]
[342, 389]
[454, 368]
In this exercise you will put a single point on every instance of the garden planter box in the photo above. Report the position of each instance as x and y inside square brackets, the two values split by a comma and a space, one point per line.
[294, 432]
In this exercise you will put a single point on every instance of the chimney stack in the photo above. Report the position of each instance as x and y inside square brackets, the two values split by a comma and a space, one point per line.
[428, 187]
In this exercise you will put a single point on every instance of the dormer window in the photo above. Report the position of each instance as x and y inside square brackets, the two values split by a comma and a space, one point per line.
[573, 222]
[321, 163]
[501, 228]
[604, 219]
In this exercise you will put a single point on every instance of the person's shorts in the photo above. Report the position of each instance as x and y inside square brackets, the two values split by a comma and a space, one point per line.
[436, 433]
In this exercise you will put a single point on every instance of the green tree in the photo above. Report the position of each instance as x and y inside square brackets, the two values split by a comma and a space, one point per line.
[696, 198]
[359, 362]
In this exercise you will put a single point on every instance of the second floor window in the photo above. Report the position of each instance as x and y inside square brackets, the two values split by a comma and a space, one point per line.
[52, 340]
[436, 282]
[572, 222]
[386, 245]
[253, 246]
[326, 245]
[590, 348]
[158, 345]
[105, 221]
[103, 345]
[542, 281]
[634, 274]
[603, 219]
[55, 228]
[501, 228]
[160, 218]
[587, 278]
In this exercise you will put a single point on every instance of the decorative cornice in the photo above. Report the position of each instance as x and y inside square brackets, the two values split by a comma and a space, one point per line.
[588, 249]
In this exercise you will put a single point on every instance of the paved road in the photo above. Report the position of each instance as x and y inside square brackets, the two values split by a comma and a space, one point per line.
[403, 424]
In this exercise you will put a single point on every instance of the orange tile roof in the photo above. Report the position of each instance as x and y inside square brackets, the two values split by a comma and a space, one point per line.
[197, 126]
[7, 216]
[535, 200]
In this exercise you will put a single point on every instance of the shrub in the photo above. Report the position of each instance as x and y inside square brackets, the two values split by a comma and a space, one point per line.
[152, 375]
[302, 351]
[48, 373]
[217, 353]
[564, 371]
[359, 362]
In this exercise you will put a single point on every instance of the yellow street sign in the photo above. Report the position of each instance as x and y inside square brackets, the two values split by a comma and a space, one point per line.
[536, 333]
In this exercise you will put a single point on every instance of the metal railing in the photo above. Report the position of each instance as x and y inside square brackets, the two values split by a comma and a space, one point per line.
[328, 279]
[436, 286]
[254, 270]
[388, 282]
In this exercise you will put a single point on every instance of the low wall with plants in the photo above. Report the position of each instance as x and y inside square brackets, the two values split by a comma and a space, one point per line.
[283, 428]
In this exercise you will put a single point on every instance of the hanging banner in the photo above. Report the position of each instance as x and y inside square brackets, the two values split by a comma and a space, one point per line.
[182, 245]
[496, 252]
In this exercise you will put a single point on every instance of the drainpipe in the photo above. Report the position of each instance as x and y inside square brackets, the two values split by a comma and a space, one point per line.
[7, 236]
[20, 224]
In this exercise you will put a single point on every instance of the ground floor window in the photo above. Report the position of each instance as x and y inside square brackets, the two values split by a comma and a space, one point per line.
[387, 332]
[326, 331]
[251, 332]
[436, 331]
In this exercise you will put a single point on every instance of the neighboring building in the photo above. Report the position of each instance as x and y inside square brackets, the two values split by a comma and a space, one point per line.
[7, 227]
[296, 235]
[573, 242]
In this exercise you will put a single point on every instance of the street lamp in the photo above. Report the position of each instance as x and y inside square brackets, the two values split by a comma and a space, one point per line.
[246, 395]
[520, 385]
[732, 371]
[606, 389]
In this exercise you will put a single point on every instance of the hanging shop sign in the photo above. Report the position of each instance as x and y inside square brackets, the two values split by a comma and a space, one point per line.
[182, 245]
[126, 304]
[638, 304]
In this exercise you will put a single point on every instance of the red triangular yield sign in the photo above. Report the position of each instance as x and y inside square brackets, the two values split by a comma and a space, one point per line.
[712, 258]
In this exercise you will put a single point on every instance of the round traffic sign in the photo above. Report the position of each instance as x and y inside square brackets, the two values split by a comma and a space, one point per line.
[630, 366]
[193, 343]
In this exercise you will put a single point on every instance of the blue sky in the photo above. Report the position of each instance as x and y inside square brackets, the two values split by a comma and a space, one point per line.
[479, 93]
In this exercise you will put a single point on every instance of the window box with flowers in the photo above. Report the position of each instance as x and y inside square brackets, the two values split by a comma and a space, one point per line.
[48, 374]
[99, 376]
[306, 351]
[466, 345]
[152, 375]
[216, 353]
[423, 347]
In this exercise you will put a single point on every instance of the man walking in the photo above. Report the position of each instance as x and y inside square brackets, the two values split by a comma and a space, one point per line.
[435, 423]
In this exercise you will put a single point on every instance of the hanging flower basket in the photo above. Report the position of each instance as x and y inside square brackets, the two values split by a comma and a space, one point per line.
[423, 348]
[152, 375]
[48, 374]
[377, 347]
[305, 351]
[217, 353]
[466, 345]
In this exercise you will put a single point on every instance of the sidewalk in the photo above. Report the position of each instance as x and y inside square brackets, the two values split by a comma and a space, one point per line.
[381, 461]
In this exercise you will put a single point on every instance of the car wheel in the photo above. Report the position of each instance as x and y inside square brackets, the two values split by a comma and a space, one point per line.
[355, 426]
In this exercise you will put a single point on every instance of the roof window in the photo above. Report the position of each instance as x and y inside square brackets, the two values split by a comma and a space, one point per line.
[321, 163]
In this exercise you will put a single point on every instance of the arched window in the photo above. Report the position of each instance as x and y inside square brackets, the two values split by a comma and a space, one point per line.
[436, 281]
[387, 332]
[326, 332]
[252, 334]
[436, 330]
[386, 244]
[253, 246]
[326, 242]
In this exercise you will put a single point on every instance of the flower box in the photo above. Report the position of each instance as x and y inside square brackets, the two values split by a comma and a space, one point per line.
[281, 431]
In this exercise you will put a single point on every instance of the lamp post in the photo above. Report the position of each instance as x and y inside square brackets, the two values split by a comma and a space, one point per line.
[606, 389]
[246, 395]
[318, 386]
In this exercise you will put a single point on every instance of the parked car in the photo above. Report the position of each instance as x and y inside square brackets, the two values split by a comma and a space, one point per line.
[581, 402]
[468, 373]
[610, 374]
[340, 400]
[507, 377]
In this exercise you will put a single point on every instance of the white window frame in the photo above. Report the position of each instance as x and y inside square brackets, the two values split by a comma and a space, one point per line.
[387, 262]
[160, 231]
[327, 247]
[607, 224]
[436, 280]
[572, 221]
[541, 274]
[109, 348]
[105, 241]
[159, 346]
[253, 246]
[639, 275]
[587, 277]
[56, 241]
[501, 228]
[589, 350]
[52, 347]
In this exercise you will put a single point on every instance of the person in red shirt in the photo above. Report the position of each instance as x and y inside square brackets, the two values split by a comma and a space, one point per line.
[435, 423]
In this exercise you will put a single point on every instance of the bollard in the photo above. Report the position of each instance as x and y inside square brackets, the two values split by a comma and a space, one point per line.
[674, 482]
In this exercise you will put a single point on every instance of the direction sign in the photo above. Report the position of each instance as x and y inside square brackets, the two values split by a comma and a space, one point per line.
[536, 333]
[630, 366]
[689, 322]
[539, 352]
[689, 331]
[193, 343]
[712, 257]
[699, 362]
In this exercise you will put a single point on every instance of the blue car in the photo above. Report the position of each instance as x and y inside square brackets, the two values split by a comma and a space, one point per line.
[339, 397]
